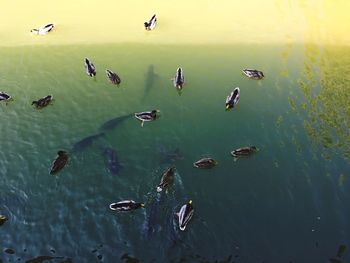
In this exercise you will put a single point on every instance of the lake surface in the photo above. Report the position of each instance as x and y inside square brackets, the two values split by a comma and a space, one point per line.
[287, 203]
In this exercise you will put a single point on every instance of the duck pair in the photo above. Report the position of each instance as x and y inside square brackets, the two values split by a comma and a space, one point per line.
[91, 71]
[184, 215]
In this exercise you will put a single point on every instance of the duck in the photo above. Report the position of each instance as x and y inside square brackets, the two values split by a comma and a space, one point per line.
[243, 152]
[90, 68]
[43, 102]
[59, 162]
[43, 30]
[185, 214]
[113, 77]
[4, 96]
[205, 163]
[232, 99]
[126, 205]
[179, 79]
[146, 116]
[253, 73]
[151, 24]
[167, 179]
[3, 219]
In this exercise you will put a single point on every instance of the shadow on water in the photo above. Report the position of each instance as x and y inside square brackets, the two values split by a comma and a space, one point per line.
[113, 123]
[112, 161]
[150, 78]
[83, 144]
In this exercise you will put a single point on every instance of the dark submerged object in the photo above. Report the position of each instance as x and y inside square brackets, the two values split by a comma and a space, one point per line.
[112, 160]
[146, 116]
[90, 68]
[59, 162]
[3, 219]
[205, 163]
[151, 24]
[4, 96]
[113, 77]
[169, 155]
[179, 79]
[253, 73]
[43, 102]
[150, 78]
[112, 123]
[338, 257]
[167, 179]
[126, 205]
[244, 151]
[43, 30]
[86, 142]
[232, 99]
[185, 214]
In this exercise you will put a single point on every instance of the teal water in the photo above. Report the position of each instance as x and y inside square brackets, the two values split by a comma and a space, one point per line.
[287, 203]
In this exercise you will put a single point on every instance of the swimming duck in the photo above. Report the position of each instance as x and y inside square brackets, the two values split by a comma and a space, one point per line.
[232, 99]
[151, 24]
[146, 116]
[205, 163]
[43, 30]
[3, 219]
[90, 68]
[167, 178]
[59, 162]
[126, 205]
[4, 96]
[43, 102]
[113, 77]
[179, 79]
[253, 73]
[244, 151]
[185, 214]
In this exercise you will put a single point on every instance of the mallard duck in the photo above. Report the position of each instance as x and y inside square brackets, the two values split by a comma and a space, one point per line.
[3, 219]
[146, 116]
[151, 24]
[43, 30]
[126, 205]
[167, 179]
[244, 151]
[4, 96]
[59, 162]
[179, 79]
[205, 163]
[90, 68]
[232, 99]
[185, 214]
[253, 73]
[43, 102]
[113, 77]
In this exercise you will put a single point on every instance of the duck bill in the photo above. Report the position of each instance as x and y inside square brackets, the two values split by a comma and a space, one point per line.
[227, 107]
[159, 189]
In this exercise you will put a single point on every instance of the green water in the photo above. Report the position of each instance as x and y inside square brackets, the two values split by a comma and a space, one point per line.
[287, 203]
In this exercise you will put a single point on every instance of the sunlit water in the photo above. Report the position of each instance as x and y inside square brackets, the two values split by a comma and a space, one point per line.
[287, 203]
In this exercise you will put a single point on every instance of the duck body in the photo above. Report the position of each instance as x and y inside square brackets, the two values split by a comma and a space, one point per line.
[90, 68]
[43, 30]
[43, 102]
[185, 214]
[146, 116]
[179, 79]
[151, 24]
[125, 206]
[253, 73]
[232, 99]
[205, 163]
[59, 162]
[244, 151]
[167, 179]
[113, 77]
[4, 96]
